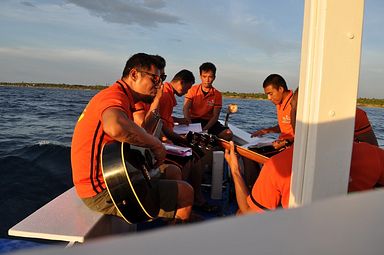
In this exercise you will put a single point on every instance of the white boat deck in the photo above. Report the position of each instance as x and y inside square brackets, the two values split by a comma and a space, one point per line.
[66, 218]
[349, 225]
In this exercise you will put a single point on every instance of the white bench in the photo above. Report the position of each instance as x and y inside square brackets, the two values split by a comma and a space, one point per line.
[67, 218]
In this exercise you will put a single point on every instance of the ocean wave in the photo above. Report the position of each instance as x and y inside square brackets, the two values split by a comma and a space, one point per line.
[41, 148]
[32, 176]
[48, 142]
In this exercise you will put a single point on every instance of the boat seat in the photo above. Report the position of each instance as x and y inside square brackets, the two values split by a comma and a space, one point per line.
[67, 218]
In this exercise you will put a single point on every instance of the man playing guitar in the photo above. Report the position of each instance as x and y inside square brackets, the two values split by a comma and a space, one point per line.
[107, 118]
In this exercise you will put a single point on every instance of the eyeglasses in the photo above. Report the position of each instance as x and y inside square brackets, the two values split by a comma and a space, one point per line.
[156, 78]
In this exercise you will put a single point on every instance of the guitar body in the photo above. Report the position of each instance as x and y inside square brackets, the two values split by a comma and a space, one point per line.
[127, 172]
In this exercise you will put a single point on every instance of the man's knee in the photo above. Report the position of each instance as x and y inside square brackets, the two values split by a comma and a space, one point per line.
[172, 172]
[185, 193]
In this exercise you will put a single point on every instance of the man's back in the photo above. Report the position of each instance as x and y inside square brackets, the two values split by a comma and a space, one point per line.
[272, 187]
[88, 138]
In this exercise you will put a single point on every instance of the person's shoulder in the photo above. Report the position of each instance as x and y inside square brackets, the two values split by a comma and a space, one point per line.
[290, 95]
[360, 113]
[167, 85]
[108, 91]
[216, 90]
[281, 162]
[168, 88]
[193, 90]
[195, 87]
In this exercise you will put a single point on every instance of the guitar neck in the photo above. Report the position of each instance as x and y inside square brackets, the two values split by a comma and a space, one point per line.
[244, 152]
[153, 124]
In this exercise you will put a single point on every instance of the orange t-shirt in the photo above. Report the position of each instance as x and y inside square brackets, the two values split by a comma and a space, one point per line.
[141, 106]
[202, 105]
[272, 187]
[139, 112]
[284, 117]
[89, 137]
[362, 124]
[167, 103]
[367, 167]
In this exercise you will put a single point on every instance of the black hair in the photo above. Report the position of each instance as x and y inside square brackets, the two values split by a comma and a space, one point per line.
[276, 81]
[184, 76]
[161, 61]
[207, 67]
[140, 61]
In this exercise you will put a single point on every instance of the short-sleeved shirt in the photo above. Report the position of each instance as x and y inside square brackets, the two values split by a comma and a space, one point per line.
[89, 137]
[141, 106]
[362, 124]
[284, 117]
[167, 103]
[272, 188]
[202, 105]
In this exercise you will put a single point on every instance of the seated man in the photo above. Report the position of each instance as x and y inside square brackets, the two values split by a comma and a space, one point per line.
[272, 188]
[277, 91]
[203, 104]
[108, 117]
[179, 85]
[191, 168]
[146, 115]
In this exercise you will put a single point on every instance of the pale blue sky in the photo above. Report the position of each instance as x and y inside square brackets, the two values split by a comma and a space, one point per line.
[88, 41]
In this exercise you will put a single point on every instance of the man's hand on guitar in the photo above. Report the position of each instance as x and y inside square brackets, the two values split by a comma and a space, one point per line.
[278, 144]
[231, 158]
[158, 151]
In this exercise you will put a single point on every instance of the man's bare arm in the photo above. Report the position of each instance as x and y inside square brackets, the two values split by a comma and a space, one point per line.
[214, 119]
[275, 129]
[186, 107]
[118, 126]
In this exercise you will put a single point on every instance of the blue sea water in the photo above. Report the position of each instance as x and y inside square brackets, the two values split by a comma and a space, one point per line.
[35, 135]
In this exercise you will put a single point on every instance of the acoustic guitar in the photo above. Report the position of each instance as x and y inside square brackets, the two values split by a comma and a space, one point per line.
[128, 171]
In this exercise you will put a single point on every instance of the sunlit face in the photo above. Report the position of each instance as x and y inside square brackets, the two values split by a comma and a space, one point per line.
[274, 95]
[181, 88]
[147, 82]
[207, 78]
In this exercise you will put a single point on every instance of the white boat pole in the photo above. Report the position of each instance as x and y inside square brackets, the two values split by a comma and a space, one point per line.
[329, 74]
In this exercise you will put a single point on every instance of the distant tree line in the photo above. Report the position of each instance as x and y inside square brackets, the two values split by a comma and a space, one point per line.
[370, 102]
[360, 101]
[53, 85]
[244, 95]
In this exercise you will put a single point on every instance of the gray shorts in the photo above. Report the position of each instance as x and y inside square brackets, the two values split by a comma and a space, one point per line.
[164, 192]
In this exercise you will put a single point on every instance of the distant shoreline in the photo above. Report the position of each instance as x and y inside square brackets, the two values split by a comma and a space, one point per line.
[365, 102]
